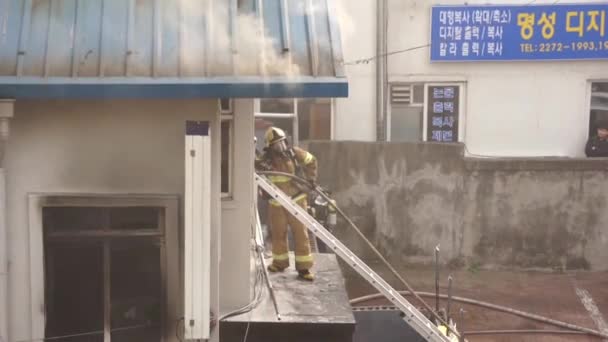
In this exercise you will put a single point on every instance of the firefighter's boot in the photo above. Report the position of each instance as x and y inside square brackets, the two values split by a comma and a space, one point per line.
[306, 275]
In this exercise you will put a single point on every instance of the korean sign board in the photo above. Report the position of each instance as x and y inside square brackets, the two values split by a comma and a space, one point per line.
[524, 32]
[443, 109]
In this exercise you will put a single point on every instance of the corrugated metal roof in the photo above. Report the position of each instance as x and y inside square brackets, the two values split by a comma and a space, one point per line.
[168, 41]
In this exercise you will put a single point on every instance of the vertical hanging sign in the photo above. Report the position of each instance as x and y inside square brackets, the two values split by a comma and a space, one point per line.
[197, 231]
[442, 113]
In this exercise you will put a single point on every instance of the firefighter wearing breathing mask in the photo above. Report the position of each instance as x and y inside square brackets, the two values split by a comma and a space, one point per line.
[279, 156]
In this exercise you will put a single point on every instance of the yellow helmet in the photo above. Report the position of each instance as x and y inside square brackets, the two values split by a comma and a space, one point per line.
[274, 135]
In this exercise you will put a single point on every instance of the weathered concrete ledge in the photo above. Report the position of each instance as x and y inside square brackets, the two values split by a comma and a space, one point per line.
[535, 164]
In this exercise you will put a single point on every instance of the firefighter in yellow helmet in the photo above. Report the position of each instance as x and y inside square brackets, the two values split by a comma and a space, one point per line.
[279, 156]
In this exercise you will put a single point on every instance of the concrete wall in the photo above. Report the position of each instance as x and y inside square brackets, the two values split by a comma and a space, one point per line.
[493, 212]
[511, 108]
[119, 147]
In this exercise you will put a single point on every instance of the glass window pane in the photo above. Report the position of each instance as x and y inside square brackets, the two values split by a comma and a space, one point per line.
[74, 290]
[226, 155]
[599, 106]
[314, 119]
[246, 6]
[276, 105]
[262, 124]
[225, 105]
[71, 219]
[133, 218]
[406, 123]
[418, 93]
[135, 291]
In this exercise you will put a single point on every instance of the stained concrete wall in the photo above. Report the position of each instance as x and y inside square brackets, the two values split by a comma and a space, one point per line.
[524, 213]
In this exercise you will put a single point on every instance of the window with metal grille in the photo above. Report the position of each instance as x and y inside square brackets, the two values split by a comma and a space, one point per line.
[407, 107]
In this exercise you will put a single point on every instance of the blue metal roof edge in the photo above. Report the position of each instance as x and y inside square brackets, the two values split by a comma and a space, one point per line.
[147, 88]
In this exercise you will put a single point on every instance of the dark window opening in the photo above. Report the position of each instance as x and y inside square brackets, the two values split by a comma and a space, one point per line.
[599, 106]
[74, 291]
[71, 219]
[284, 106]
[226, 105]
[135, 298]
[135, 218]
[103, 286]
[75, 220]
[226, 156]
[314, 119]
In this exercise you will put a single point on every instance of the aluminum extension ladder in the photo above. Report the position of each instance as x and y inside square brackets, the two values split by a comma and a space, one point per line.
[426, 329]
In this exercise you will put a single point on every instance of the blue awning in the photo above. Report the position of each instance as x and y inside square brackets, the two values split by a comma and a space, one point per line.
[170, 49]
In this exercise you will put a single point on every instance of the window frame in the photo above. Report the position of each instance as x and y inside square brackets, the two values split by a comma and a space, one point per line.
[589, 104]
[225, 110]
[389, 116]
[424, 105]
[230, 119]
[296, 123]
[169, 251]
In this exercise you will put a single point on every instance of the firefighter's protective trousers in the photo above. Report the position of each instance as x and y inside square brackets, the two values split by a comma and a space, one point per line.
[280, 219]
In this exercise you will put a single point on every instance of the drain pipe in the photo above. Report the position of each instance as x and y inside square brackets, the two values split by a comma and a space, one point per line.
[380, 65]
[6, 112]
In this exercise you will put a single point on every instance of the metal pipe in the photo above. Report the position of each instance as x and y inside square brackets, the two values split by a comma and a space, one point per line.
[523, 332]
[275, 115]
[462, 337]
[6, 112]
[384, 59]
[380, 122]
[4, 309]
[437, 278]
[273, 297]
[494, 307]
[448, 306]
[259, 240]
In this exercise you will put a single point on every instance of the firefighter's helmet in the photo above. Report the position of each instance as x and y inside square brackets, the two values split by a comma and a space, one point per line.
[274, 135]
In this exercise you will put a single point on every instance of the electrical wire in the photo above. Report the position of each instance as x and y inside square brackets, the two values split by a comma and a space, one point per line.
[258, 288]
[177, 324]
[397, 52]
[368, 243]
[491, 306]
[247, 330]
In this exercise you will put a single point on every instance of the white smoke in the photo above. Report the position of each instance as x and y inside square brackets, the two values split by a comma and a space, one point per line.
[252, 52]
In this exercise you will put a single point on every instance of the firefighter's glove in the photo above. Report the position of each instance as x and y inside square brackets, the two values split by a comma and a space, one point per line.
[312, 183]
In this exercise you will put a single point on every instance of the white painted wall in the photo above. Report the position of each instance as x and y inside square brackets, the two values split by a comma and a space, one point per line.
[355, 117]
[512, 108]
[118, 147]
[237, 214]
